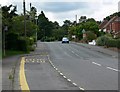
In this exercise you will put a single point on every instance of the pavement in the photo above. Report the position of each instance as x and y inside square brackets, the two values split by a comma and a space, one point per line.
[9, 68]
[99, 49]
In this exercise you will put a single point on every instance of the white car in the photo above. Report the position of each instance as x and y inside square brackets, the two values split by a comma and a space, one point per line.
[65, 40]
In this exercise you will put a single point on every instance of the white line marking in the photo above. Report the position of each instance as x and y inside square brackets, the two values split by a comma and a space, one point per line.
[61, 74]
[73, 52]
[75, 84]
[68, 79]
[43, 61]
[96, 64]
[64, 76]
[113, 69]
[76, 54]
[81, 88]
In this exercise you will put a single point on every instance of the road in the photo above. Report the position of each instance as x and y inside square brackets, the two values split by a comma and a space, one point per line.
[85, 68]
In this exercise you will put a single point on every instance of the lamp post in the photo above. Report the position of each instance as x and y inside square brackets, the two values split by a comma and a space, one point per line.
[24, 11]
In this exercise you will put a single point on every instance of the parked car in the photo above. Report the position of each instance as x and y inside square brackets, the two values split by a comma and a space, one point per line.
[65, 40]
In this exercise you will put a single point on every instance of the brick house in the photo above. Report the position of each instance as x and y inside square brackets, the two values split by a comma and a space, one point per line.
[111, 26]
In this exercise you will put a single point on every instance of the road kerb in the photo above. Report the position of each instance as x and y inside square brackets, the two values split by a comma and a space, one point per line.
[23, 81]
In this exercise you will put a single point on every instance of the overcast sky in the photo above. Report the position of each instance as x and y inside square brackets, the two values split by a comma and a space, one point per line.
[60, 10]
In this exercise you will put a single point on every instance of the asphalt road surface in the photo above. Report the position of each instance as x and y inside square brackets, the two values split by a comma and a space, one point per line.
[40, 74]
[86, 68]
[89, 69]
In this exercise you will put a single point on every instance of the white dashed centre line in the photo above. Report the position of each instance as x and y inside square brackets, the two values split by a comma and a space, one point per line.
[73, 52]
[96, 63]
[113, 69]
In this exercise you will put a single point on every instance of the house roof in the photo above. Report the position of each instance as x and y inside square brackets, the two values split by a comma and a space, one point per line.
[110, 21]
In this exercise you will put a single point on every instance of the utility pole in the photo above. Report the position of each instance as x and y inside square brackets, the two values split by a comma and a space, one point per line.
[24, 11]
[76, 19]
[76, 25]
[5, 29]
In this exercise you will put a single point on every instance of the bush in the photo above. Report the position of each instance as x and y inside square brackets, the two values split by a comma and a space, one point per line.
[101, 41]
[118, 43]
[31, 41]
[111, 43]
[23, 44]
[48, 39]
[90, 36]
[11, 41]
[108, 42]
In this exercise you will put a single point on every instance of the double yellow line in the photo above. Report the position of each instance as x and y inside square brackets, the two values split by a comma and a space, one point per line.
[23, 81]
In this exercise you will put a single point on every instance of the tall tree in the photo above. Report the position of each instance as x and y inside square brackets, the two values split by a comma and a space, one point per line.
[45, 26]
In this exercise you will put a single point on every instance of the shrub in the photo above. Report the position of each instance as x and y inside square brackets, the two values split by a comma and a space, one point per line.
[90, 36]
[101, 41]
[11, 41]
[23, 44]
[108, 41]
[31, 41]
[111, 43]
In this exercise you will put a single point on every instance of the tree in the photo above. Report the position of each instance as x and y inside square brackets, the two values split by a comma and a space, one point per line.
[32, 14]
[18, 26]
[45, 26]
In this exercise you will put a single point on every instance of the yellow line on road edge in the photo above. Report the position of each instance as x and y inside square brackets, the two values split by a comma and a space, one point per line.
[23, 82]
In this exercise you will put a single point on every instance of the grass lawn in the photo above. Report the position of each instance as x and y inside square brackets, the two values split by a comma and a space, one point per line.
[12, 53]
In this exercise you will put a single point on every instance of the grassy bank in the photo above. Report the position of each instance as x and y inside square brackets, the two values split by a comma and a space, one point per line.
[12, 53]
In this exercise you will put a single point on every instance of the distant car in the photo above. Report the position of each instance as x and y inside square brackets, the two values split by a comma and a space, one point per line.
[65, 40]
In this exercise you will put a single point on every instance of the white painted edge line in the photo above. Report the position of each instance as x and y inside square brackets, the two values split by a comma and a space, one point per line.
[96, 63]
[112, 69]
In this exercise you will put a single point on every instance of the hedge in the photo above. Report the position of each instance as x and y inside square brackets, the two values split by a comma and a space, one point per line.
[108, 41]
[23, 44]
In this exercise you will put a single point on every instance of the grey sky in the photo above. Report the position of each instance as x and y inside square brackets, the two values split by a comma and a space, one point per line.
[62, 10]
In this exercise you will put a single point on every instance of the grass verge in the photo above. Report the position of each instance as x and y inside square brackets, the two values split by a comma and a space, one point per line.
[13, 53]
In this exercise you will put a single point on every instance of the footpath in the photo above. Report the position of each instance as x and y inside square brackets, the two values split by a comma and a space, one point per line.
[9, 68]
[100, 49]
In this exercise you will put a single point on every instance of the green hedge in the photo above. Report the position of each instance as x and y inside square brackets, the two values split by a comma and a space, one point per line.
[108, 41]
[23, 44]
[11, 41]
[113, 43]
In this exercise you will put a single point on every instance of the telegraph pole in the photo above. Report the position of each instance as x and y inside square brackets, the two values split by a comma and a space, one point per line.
[24, 11]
